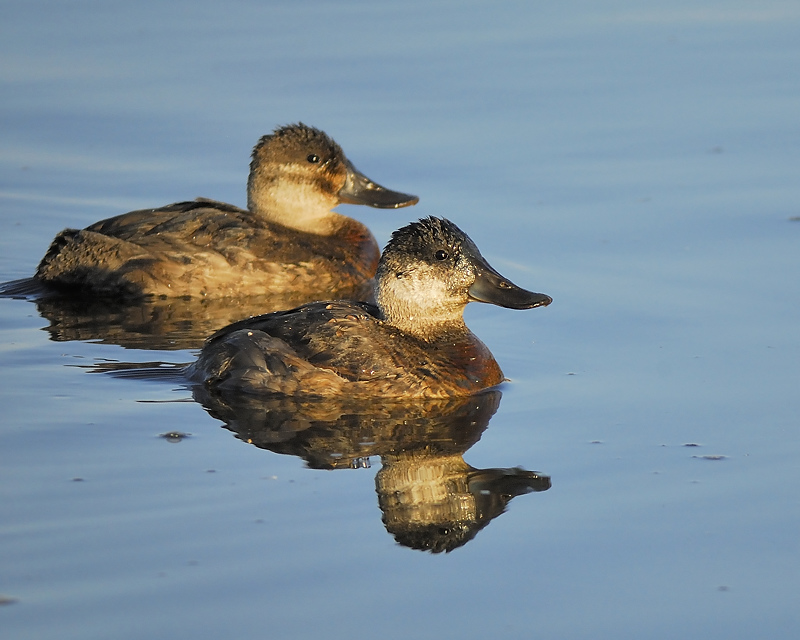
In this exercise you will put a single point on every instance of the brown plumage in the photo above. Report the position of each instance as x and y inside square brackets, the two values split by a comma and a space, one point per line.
[415, 343]
[287, 240]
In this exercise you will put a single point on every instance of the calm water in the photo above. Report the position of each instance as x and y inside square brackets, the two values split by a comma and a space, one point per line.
[637, 162]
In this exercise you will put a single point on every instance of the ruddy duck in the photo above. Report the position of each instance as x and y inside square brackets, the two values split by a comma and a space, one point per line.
[413, 344]
[288, 239]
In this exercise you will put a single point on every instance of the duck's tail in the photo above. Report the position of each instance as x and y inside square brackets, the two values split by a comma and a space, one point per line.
[24, 288]
[155, 371]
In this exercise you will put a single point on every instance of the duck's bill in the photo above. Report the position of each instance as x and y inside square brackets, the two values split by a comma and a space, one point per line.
[358, 189]
[491, 287]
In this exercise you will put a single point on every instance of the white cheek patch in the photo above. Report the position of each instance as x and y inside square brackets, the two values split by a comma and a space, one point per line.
[425, 293]
[301, 205]
[419, 293]
[299, 195]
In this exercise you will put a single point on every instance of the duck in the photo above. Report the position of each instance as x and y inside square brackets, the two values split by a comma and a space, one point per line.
[287, 240]
[412, 343]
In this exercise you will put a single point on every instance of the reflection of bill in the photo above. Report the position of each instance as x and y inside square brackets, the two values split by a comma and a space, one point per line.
[430, 497]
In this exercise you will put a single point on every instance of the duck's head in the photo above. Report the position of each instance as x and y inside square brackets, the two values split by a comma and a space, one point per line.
[298, 174]
[428, 273]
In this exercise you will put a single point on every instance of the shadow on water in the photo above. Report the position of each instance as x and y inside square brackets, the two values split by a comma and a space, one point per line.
[431, 499]
[151, 324]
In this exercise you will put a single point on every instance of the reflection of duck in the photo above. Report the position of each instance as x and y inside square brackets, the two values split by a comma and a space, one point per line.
[287, 240]
[155, 323]
[336, 433]
[438, 502]
[430, 497]
[414, 344]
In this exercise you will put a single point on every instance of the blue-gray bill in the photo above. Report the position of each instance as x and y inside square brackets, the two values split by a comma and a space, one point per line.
[358, 189]
[491, 287]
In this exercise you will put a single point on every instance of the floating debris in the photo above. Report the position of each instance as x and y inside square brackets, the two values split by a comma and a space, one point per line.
[174, 436]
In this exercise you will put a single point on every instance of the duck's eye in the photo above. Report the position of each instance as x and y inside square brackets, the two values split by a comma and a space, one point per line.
[441, 254]
[313, 158]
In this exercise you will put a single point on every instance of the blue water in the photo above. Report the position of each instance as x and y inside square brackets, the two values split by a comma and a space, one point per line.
[636, 161]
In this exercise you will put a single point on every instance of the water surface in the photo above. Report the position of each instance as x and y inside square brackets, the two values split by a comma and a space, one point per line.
[636, 162]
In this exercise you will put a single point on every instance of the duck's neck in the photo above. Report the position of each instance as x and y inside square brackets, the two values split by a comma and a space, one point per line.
[439, 332]
[422, 307]
[295, 205]
[424, 323]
